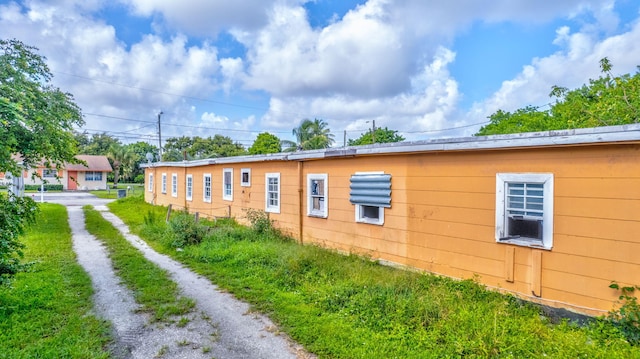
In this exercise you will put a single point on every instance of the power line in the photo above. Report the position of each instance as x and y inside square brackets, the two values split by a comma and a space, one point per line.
[447, 129]
[181, 125]
[285, 132]
[233, 105]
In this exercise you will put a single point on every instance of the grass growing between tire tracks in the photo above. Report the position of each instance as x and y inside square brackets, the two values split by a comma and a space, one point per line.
[151, 286]
[46, 313]
[349, 307]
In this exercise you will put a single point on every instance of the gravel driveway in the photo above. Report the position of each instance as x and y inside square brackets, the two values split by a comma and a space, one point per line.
[221, 326]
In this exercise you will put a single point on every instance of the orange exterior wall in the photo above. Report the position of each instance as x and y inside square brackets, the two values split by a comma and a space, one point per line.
[252, 197]
[442, 216]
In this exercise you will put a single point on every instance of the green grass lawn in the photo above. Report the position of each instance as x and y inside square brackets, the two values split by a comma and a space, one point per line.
[47, 311]
[113, 193]
[349, 307]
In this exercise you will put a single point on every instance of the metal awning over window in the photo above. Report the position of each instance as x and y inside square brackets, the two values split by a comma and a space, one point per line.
[371, 190]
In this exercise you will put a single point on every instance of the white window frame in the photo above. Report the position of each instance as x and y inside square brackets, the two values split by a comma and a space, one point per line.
[150, 182]
[361, 218]
[164, 183]
[227, 188]
[267, 206]
[92, 176]
[360, 211]
[174, 185]
[188, 186]
[324, 212]
[546, 179]
[206, 188]
[246, 171]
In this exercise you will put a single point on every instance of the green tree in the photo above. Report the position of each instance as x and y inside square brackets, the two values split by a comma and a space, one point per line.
[198, 148]
[36, 125]
[310, 135]
[98, 144]
[121, 158]
[527, 119]
[139, 152]
[605, 101]
[179, 144]
[36, 118]
[265, 143]
[382, 135]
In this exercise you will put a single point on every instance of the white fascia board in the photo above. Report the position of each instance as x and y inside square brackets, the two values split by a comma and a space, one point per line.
[254, 158]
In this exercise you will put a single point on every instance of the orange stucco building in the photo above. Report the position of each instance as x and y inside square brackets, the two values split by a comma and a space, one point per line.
[551, 217]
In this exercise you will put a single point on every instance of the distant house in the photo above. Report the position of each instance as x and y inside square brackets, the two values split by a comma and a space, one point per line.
[552, 217]
[72, 177]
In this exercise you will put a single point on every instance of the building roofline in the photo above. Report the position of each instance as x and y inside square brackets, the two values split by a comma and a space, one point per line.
[582, 136]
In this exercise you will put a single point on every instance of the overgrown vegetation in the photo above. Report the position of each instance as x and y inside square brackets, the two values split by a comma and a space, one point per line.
[627, 317]
[46, 313]
[183, 230]
[15, 214]
[151, 286]
[349, 307]
[260, 221]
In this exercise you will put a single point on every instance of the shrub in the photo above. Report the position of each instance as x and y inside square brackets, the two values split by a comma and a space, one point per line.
[139, 179]
[183, 230]
[47, 187]
[16, 213]
[627, 317]
[259, 220]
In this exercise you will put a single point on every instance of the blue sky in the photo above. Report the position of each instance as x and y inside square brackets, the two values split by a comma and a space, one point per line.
[428, 69]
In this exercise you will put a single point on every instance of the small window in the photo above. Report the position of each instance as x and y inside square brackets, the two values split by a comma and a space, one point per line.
[369, 214]
[227, 184]
[49, 173]
[524, 209]
[164, 183]
[206, 193]
[174, 185]
[317, 195]
[245, 177]
[370, 192]
[189, 187]
[272, 192]
[150, 182]
[92, 176]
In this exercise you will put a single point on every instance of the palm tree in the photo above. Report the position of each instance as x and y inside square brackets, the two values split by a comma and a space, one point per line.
[120, 156]
[310, 135]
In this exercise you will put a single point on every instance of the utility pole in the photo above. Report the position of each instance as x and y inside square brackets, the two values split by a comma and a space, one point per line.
[160, 136]
[373, 134]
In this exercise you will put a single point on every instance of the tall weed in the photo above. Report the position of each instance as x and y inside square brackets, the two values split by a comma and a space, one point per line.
[182, 230]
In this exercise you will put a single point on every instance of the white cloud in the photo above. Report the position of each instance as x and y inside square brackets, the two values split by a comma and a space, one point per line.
[106, 77]
[381, 60]
[384, 60]
[427, 105]
[573, 66]
[361, 55]
[206, 17]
